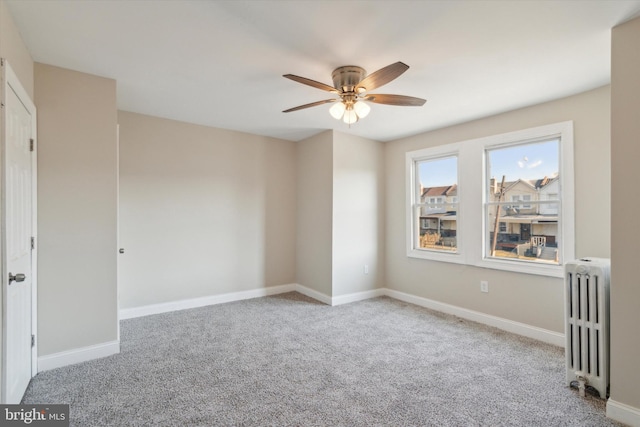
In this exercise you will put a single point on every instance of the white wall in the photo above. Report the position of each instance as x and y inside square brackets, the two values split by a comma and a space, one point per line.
[314, 212]
[203, 211]
[625, 233]
[533, 300]
[77, 217]
[358, 214]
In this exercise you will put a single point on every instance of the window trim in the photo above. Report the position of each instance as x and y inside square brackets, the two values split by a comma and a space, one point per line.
[472, 193]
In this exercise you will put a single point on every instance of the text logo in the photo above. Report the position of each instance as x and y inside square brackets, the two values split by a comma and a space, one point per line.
[34, 415]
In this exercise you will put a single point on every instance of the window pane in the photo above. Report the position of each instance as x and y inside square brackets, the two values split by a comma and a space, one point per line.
[438, 200]
[523, 202]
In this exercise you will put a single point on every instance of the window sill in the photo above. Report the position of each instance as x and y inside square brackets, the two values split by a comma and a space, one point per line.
[436, 255]
[524, 267]
[550, 270]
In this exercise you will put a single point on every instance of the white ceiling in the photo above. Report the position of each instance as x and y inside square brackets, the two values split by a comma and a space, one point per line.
[220, 63]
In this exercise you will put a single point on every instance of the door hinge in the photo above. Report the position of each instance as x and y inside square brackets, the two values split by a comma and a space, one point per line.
[33, 340]
[33, 243]
[31, 144]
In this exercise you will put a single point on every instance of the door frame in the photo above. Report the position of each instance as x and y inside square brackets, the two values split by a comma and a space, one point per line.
[10, 81]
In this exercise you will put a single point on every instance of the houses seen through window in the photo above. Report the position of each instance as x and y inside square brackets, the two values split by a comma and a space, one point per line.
[522, 208]
[437, 204]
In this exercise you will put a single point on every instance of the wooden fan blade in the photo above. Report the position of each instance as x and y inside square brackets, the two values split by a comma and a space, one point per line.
[311, 83]
[382, 76]
[402, 100]
[313, 104]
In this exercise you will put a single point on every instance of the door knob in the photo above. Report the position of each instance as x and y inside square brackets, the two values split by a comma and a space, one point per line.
[17, 278]
[121, 250]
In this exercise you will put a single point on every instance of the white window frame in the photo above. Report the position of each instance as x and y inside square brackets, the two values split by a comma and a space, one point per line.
[413, 184]
[471, 225]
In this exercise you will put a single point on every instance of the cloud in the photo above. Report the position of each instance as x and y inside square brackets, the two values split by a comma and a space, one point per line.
[534, 164]
[523, 162]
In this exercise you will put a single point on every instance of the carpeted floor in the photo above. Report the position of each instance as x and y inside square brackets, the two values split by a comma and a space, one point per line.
[288, 360]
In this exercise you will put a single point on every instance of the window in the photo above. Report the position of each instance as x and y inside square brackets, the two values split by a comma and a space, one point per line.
[434, 206]
[502, 202]
[523, 167]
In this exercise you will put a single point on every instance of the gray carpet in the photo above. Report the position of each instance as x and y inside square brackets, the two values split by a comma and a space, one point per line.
[287, 360]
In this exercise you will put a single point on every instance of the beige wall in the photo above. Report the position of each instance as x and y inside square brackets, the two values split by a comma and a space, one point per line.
[358, 208]
[13, 49]
[534, 300]
[340, 214]
[203, 211]
[625, 205]
[314, 212]
[77, 197]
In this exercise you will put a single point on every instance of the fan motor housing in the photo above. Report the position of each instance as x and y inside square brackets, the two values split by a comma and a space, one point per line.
[347, 77]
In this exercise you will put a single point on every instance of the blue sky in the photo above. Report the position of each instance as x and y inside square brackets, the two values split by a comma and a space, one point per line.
[527, 161]
[435, 173]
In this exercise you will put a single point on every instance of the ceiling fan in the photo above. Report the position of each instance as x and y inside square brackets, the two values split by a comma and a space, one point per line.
[352, 87]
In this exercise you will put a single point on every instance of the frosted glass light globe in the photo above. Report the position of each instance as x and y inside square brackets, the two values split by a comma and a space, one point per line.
[361, 109]
[337, 110]
[350, 117]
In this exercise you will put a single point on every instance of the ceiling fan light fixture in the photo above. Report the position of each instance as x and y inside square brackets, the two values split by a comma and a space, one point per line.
[350, 83]
[362, 109]
[337, 110]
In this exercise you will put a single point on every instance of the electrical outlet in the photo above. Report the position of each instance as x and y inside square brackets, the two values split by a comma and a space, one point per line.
[484, 286]
[366, 269]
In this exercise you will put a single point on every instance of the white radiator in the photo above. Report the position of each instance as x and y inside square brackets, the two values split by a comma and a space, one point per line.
[587, 323]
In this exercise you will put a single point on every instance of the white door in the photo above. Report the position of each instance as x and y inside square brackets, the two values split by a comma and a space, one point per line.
[17, 280]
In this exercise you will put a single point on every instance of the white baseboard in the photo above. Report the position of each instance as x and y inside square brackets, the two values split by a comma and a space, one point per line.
[339, 300]
[146, 310]
[534, 332]
[615, 410]
[623, 413]
[357, 296]
[77, 355]
[540, 334]
[319, 296]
